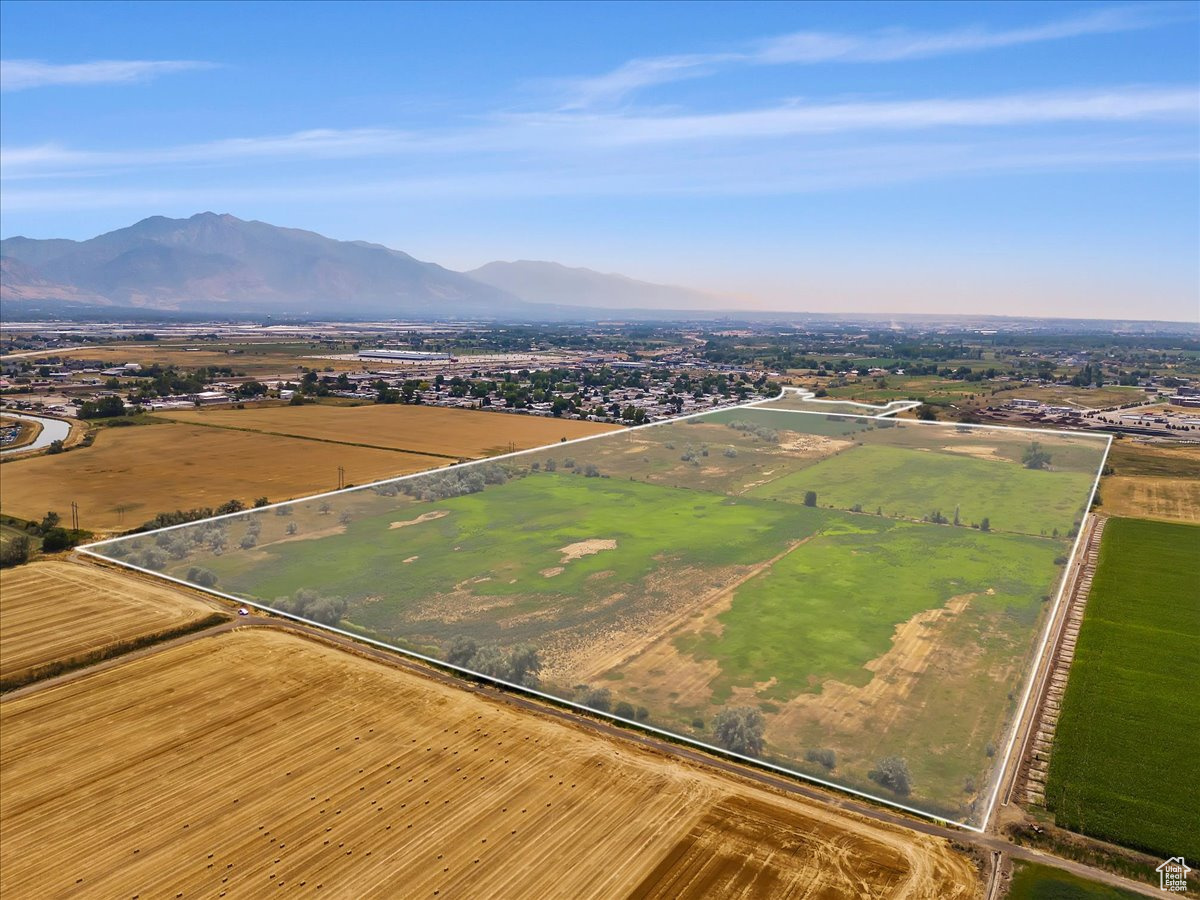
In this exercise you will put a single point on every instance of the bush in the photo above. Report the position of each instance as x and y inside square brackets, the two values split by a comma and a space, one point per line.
[822, 756]
[57, 538]
[740, 730]
[892, 773]
[15, 552]
[599, 699]
[201, 577]
[624, 710]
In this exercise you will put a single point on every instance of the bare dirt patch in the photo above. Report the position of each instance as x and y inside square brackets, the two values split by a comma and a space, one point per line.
[580, 549]
[424, 517]
[978, 451]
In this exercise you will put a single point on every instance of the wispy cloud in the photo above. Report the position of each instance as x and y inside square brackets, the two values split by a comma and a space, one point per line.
[23, 74]
[545, 135]
[797, 118]
[889, 45]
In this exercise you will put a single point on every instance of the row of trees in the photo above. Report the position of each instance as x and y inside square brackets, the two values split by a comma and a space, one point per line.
[518, 665]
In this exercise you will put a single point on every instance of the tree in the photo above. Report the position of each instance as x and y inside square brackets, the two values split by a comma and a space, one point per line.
[56, 539]
[740, 729]
[892, 773]
[461, 651]
[104, 408]
[55, 447]
[1035, 457]
[15, 552]
[985, 524]
[927, 413]
[201, 577]
[49, 520]
[810, 498]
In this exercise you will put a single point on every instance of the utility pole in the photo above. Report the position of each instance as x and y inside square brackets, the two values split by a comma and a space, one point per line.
[74, 516]
[341, 477]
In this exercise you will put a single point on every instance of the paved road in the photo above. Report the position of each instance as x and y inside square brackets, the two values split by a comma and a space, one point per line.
[991, 845]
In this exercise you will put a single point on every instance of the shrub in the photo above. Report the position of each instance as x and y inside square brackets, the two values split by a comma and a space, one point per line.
[892, 773]
[740, 729]
[822, 756]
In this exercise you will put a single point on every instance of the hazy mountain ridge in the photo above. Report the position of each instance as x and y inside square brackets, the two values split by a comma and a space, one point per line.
[551, 282]
[220, 263]
[215, 262]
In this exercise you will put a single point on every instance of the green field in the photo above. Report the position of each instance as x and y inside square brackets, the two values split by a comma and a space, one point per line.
[1033, 881]
[830, 607]
[508, 535]
[912, 484]
[677, 572]
[1126, 760]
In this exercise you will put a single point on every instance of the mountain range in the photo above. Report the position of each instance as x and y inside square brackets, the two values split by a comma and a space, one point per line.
[220, 264]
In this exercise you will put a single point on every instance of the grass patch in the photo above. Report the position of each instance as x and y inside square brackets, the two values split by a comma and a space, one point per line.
[914, 483]
[1126, 762]
[1034, 881]
[833, 605]
[499, 543]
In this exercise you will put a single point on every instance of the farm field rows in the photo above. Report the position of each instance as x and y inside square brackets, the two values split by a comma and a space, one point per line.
[258, 760]
[57, 612]
[1125, 766]
[418, 429]
[673, 575]
[131, 474]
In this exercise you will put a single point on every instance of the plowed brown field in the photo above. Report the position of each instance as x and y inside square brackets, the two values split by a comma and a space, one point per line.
[258, 761]
[61, 611]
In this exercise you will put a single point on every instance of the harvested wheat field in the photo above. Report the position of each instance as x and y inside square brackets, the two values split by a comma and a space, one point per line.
[419, 429]
[131, 474]
[62, 612]
[1152, 497]
[260, 761]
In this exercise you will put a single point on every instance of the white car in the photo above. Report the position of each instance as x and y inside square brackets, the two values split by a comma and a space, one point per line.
[242, 611]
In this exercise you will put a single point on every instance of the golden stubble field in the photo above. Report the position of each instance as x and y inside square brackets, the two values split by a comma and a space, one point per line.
[260, 762]
[1153, 480]
[255, 358]
[150, 469]
[1149, 497]
[58, 611]
[420, 429]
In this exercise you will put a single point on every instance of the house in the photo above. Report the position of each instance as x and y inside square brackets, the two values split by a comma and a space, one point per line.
[1172, 875]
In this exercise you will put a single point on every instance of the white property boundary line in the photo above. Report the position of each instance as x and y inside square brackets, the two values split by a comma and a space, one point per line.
[1045, 640]
[89, 550]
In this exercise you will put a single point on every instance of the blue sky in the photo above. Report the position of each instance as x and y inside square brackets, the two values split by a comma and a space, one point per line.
[1018, 159]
